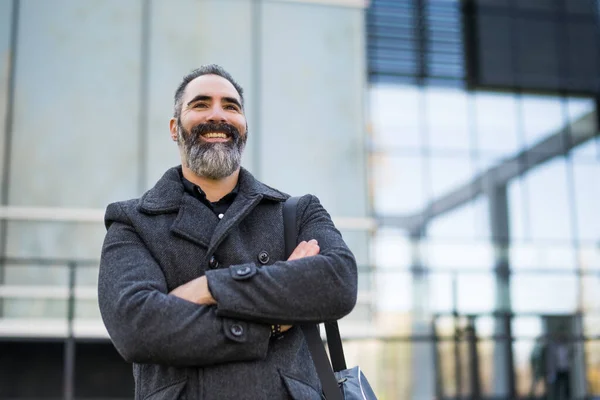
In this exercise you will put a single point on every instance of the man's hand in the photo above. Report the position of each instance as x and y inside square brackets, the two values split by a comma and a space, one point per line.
[304, 249]
[195, 291]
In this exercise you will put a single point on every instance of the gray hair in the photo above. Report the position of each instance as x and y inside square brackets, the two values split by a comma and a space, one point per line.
[211, 69]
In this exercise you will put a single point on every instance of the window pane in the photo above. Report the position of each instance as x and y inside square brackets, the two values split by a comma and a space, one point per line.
[395, 116]
[592, 357]
[548, 205]
[469, 221]
[530, 255]
[496, 115]
[518, 217]
[391, 249]
[586, 152]
[394, 291]
[583, 121]
[441, 298]
[538, 293]
[589, 256]
[398, 184]
[449, 173]
[542, 117]
[591, 293]
[447, 117]
[476, 293]
[587, 198]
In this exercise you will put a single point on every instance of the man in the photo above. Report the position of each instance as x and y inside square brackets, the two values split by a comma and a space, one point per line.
[194, 288]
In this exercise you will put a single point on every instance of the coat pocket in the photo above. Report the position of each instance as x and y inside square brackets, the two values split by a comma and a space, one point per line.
[299, 390]
[173, 391]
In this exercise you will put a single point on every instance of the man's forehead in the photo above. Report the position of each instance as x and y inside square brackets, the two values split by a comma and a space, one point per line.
[211, 85]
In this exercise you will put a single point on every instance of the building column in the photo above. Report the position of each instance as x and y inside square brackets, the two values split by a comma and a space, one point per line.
[423, 352]
[504, 378]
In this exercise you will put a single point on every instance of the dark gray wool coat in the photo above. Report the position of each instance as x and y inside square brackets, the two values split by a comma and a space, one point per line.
[181, 350]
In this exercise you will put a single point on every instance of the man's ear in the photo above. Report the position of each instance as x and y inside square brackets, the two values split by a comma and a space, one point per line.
[173, 128]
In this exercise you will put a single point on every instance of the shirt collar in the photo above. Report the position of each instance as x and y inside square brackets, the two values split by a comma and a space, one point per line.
[196, 191]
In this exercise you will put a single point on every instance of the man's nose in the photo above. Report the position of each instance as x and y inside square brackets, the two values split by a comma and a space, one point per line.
[217, 114]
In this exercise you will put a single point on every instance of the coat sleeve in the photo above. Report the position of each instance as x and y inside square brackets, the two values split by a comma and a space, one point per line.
[147, 325]
[311, 289]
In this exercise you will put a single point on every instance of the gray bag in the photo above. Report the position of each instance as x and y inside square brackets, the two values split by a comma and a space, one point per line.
[338, 382]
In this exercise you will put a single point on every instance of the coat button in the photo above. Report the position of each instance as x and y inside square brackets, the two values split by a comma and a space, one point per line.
[236, 330]
[263, 257]
[243, 271]
[213, 263]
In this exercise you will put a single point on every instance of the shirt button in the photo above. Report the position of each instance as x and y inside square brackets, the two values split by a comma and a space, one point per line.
[243, 271]
[263, 257]
[220, 216]
[213, 263]
[236, 330]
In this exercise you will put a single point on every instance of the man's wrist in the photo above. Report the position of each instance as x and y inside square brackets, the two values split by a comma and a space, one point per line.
[206, 296]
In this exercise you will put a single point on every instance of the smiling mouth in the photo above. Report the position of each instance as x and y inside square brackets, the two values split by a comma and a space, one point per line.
[215, 135]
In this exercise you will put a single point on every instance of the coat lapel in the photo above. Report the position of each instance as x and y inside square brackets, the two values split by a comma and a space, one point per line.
[196, 222]
[242, 205]
[251, 193]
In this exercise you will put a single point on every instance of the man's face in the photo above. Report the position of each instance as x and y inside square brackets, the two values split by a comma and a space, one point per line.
[211, 131]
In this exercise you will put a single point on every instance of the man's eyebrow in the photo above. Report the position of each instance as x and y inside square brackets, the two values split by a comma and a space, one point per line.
[232, 100]
[200, 97]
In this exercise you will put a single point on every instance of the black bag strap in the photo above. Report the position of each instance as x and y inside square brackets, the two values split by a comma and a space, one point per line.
[311, 331]
[334, 342]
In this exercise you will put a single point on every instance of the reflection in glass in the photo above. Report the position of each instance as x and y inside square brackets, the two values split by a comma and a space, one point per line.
[592, 357]
[399, 184]
[589, 256]
[476, 293]
[446, 255]
[590, 287]
[442, 297]
[447, 118]
[546, 256]
[529, 381]
[542, 117]
[548, 205]
[538, 293]
[518, 217]
[390, 249]
[394, 291]
[449, 173]
[395, 116]
[469, 221]
[497, 124]
[591, 324]
[554, 228]
[587, 199]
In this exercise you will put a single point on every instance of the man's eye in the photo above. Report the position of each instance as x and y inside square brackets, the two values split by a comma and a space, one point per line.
[231, 107]
[200, 105]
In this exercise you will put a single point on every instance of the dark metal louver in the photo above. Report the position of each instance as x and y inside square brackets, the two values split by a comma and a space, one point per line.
[533, 45]
[414, 40]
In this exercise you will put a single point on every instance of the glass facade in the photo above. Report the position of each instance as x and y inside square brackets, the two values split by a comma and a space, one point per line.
[488, 243]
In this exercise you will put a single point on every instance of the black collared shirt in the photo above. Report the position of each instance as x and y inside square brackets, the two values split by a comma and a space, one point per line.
[218, 207]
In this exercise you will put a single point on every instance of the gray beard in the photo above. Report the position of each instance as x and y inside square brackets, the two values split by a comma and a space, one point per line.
[211, 160]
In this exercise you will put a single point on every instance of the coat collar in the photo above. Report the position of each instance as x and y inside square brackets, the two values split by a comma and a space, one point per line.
[196, 222]
[168, 193]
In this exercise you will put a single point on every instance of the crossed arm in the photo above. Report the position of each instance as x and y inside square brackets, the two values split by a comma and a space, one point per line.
[197, 291]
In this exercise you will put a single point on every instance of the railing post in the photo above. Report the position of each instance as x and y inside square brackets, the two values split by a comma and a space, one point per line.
[69, 348]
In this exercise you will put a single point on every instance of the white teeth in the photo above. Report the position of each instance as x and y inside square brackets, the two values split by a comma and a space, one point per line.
[216, 135]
